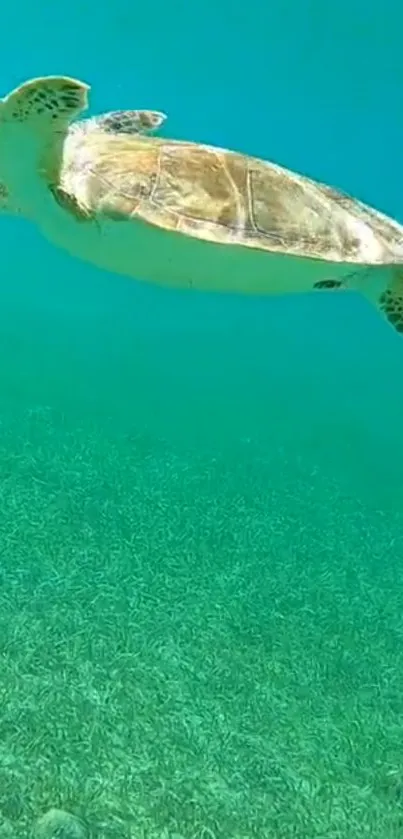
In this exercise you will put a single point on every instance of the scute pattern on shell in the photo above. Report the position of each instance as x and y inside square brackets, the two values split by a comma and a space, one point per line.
[228, 197]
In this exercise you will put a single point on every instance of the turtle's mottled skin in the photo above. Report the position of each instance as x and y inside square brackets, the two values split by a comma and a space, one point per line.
[185, 214]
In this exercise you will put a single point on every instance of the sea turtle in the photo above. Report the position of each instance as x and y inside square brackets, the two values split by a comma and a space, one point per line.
[185, 214]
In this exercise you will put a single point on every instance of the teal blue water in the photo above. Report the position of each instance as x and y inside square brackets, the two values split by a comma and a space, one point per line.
[317, 90]
[201, 505]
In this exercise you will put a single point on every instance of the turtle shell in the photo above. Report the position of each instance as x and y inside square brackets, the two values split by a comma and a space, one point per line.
[230, 198]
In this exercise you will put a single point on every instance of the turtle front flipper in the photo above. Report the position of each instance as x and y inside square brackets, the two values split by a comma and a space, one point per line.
[129, 122]
[34, 123]
[48, 101]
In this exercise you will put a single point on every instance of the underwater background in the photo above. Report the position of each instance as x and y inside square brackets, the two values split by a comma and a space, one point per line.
[201, 498]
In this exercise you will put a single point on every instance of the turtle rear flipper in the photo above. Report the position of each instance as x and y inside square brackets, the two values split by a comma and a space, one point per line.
[390, 301]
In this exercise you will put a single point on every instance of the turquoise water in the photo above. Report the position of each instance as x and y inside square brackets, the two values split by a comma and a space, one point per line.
[201, 516]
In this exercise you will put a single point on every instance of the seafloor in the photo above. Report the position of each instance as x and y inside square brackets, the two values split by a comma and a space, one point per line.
[207, 647]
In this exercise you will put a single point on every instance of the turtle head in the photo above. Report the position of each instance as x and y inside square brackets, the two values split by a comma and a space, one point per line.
[34, 120]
